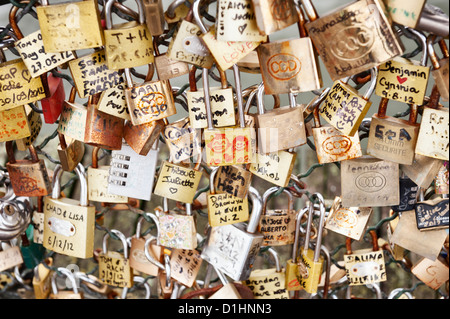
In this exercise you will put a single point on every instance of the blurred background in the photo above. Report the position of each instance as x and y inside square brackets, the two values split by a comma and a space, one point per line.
[324, 179]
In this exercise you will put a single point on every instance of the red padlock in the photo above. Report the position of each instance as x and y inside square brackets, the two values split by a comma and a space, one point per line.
[52, 105]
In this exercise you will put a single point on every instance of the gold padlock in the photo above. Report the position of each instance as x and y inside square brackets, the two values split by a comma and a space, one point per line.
[404, 12]
[73, 118]
[166, 68]
[70, 154]
[35, 120]
[274, 15]
[142, 137]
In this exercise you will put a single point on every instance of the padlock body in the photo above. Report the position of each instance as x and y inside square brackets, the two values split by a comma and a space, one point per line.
[280, 129]
[154, 16]
[233, 180]
[267, 284]
[132, 175]
[128, 45]
[404, 12]
[333, 146]
[185, 265]
[98, 186]
[228, 291]
[314, 268]
[66, 295]
[70, 26]
[432, 214]
[71, 155]
[392, 139]
[433, 140]
[177, 231]
[35, 120]
[112, 101]
[435, 278]
[72, 122]
[273, 15]
[103, 130]
[354, 39]
[150, 101]
[10, 257]
[441, 76]
[441, 181]
[42, 286]
[14, 124]
[52, 106]
[408, 195]
[278, 227]
[138, 260]
[69, 227]
[142, 137]
[28, 178]
[167, 69]
[292, 277]
[232, 250]
[226, 209]
[114, 269]
[183, 141]
[289, 66]
[275, 168]
[344, 108]
[365, 267]
[423, 170]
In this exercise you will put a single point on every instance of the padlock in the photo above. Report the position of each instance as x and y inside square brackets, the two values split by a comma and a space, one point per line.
[186, 44]
[344, 108]
[114, 267]
[166, 68]
[15, 216]
[278, 225]
[234, 180]
[42, 279]
[128, 44]
[408, 194]
[175, 230]
[34, 118]
[232, 249]
[332, 145]
[433, 20]
[185, 265]
[290, 66]
[178, 182]
[69, 224]
[18, 87]
[236, 22]
[367, 181]
[52, 106]
[148, 101]
[176, 11]
[38, 221]
[354, 38]
[400, 293]
[141, 138]
[112, 101]
[405, 80]
[348, 221]
[32, 52]
[73, 118]
[405, 12]
[374, 287]
[427, 244]
[268, 283]
[70, 26]
[65, 294]
[102, 129]
[275, 168]
[91, 74]
[433, 273]
[133, 175]
[292, 265]
[183, 140]
[365, 266]
[221, 100]
[228, 290]
[393, 139]
[279, 129]
[139, 280]
[441, 181]
[440, 70]
[14, 124]
[224, 208]
[138, 259]
[273, 15]
[154, 16]
[28, 177]
[423, 170]
[97, 178]
[70, 154]
[311, 259]
[10, 256]
[432, 213]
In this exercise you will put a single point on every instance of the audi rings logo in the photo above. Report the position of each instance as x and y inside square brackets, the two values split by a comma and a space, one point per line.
[284, 66]
[337, 145]
[371, 182]
[352, 43]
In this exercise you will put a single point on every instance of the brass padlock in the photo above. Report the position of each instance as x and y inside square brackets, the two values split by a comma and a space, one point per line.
[70, 154]
[142, 137]
[404, 12]
[365, 266]
[14, 124]
[278, 225]
[405, 80]
[114, 267]
[128, 44]
[332, 145]
[274, 15]
[393, 139]
[72, 122]
[65, 294]
[353, 39]
[38, 221]
[185, 265]
[154, 16]
[234, 180]
[28, 177]
[70, 26]
[166, 68]
[41, 279]
[224, 208]
[10, 256]
[35, 120]
[433, 273]
[72, 233]
[112, 101]
[344, 108]
[440, 71]
[423, 170]
[290, 66]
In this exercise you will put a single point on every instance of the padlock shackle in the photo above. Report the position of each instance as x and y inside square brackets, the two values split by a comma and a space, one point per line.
[195, 8]
[273, 190]
[108, 13]
[122, 238]
[382, 108]
[56, 183]
[301, 22]
[192, 80]
[62, 141]
[444, 48]
[166, 207]
[298, 221]
[66, 272]
[212, 176]
[375, 247]
[432, 52]
[372, 85]
[423, 41]
[72, 94]
[149, 256]
[276, 257]
[310, 10]
[10, 152]
[95, 157]
[170, 12]
[255, 217]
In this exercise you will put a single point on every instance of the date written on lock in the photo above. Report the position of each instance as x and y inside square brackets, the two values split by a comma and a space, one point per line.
[112, 269]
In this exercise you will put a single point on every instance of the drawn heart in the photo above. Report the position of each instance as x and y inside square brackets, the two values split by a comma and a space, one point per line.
[26, 76]
[401, 80]
[173, 190]
[242, 28]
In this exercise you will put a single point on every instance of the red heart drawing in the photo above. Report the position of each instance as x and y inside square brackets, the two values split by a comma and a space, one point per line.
[401, 80]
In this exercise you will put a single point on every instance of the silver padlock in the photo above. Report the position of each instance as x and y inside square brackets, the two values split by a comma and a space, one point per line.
[433, 20]
[131, 174]
[232, 249]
